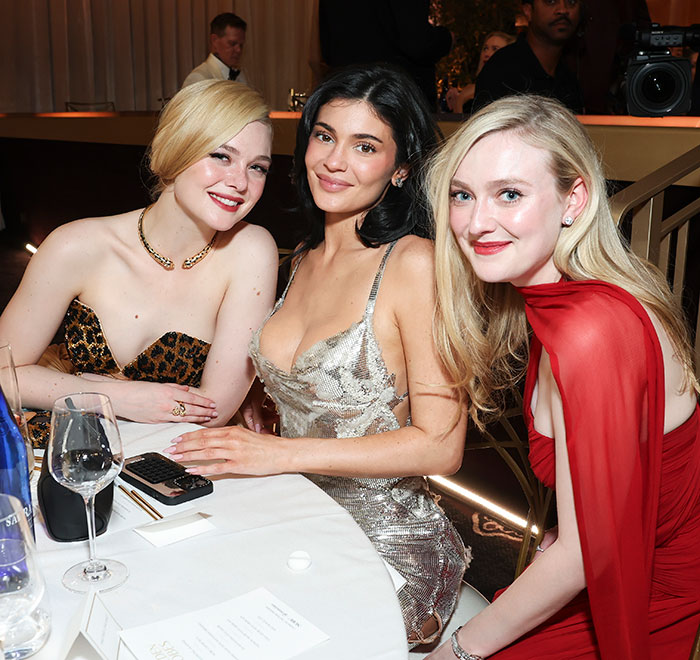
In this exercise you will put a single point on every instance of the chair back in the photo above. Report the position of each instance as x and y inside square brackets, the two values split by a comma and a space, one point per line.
[509, 440]
[663, 240]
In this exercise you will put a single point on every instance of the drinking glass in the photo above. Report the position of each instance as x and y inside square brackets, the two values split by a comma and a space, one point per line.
[24, 627]
[85, 455]
[10, 388]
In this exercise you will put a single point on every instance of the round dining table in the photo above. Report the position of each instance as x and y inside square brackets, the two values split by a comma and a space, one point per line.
[257, 523]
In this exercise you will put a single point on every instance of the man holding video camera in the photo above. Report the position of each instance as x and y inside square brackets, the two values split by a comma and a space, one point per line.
[534, 63]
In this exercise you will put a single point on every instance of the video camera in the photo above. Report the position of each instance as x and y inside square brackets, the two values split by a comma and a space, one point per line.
[657, 83]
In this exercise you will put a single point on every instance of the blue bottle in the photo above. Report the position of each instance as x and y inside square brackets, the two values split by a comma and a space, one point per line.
[14, 470]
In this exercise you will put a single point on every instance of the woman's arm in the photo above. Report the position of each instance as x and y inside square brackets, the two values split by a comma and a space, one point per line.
[228, 372]
[55, 276]
[557, 575]
[434, 442]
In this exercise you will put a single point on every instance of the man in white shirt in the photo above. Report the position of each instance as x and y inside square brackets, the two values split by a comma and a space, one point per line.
[226, 43]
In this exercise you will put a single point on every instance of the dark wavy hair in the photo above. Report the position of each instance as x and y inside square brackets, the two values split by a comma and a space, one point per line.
[398, 102]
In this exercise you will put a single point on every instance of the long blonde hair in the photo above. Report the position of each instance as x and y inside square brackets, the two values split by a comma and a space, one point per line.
[199, 119]
[480, 328]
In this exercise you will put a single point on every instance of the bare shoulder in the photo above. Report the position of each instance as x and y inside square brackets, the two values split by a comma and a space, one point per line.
[411, 268]
[256, 237]
[85, 239]
[413, 259]
[409, 278]
[251, 247]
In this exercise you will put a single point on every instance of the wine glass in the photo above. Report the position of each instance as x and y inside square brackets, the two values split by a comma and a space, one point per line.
[10, 388]
[85, 454]
[24, 627]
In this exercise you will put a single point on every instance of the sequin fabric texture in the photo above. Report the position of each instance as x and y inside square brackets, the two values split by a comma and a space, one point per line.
[340, 387]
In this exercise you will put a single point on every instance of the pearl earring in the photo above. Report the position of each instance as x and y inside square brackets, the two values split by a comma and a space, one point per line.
[567, 221]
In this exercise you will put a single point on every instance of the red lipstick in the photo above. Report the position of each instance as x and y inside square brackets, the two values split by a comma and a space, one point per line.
[226, 202]
[491, 247]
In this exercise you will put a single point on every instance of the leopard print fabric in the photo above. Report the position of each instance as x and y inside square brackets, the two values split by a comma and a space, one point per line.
[174, 357]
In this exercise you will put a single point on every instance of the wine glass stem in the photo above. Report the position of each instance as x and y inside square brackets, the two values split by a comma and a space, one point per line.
[95, 568]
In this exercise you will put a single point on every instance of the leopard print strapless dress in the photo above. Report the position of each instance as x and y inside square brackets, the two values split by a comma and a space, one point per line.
[175, 357]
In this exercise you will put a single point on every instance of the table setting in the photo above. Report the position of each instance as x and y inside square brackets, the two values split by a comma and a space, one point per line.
[260, 568]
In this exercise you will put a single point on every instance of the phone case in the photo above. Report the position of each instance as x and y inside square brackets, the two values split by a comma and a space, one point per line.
[164, 479]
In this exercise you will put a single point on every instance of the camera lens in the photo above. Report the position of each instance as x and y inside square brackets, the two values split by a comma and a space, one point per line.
[659, 86]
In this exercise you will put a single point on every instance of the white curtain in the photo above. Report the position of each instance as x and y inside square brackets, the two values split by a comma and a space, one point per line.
[134, 53]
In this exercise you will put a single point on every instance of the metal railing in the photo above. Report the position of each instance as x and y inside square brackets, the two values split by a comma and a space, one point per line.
[513, 447]
[662, 240]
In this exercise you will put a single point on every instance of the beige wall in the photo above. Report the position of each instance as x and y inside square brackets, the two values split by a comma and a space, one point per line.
[674, 12]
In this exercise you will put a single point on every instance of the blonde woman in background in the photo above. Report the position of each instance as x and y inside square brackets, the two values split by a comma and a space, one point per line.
[159, 303]
[525, 236]
[456, 98]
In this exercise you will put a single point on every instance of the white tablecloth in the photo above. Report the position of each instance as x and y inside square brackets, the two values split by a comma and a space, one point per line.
[346, 592]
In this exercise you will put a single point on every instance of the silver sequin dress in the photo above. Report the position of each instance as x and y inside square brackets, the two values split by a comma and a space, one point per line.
[340, 387]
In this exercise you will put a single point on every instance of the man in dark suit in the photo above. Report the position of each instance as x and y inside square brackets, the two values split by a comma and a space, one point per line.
[534, 64]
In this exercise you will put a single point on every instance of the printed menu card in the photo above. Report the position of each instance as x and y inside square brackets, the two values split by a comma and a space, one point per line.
[254, 626]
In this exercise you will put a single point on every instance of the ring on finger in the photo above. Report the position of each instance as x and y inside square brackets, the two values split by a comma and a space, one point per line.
[179, 409]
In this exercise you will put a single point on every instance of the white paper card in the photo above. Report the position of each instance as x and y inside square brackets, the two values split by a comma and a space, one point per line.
[101, 628]
[127, 514]
[165, 532]
[254, 626]
[95, 634]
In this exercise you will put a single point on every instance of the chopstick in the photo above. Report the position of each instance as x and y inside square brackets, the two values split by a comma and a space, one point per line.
[158, 514]
[133, 495]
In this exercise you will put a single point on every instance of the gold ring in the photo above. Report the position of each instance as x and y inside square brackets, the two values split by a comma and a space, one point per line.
[179, 409]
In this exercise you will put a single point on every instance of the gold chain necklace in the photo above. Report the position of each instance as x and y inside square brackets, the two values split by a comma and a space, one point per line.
[168, 263]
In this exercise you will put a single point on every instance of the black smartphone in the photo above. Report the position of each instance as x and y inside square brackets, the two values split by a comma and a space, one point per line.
[162, 478]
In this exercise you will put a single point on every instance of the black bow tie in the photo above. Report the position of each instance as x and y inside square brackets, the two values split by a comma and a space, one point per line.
[233, 74]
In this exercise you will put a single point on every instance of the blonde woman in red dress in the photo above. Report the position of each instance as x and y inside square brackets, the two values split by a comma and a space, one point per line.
[526, 243]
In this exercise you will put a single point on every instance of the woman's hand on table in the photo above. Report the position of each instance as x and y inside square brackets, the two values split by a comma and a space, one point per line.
[153, 403]
[236, 449]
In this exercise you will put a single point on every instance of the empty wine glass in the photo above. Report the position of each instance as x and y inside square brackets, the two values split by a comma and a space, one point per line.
[85, 455]
[23, 626]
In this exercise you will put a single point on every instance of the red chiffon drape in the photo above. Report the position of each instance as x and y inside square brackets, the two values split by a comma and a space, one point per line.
[636, 491]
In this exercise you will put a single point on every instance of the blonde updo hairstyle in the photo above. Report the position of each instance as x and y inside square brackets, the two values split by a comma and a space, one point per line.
[481, 329]
[199, 119]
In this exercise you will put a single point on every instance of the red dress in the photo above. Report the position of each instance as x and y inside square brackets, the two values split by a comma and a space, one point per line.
[636, 490]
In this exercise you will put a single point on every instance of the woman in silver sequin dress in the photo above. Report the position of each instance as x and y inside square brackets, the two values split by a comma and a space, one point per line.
[347, 354]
